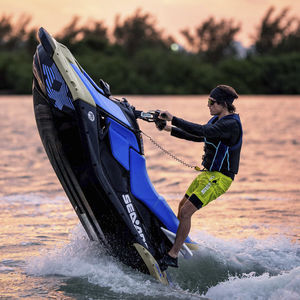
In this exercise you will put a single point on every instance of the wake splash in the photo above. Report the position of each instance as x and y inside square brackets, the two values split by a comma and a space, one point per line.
[89, 261]
[248, 269]
[284, 286]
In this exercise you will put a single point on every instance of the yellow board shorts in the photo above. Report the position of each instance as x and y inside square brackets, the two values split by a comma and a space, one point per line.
[206, 187]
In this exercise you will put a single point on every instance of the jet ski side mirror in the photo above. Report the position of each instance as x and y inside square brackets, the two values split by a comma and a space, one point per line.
[105, 87]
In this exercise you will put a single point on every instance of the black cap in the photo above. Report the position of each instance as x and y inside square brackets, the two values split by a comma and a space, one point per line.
[224, 93]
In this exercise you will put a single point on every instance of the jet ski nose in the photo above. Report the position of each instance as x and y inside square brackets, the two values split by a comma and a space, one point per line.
[47, 41]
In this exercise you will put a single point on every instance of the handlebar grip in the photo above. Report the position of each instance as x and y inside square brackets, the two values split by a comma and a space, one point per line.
[138, 114]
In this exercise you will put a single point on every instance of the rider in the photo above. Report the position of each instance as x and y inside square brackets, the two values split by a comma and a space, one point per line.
[222, 137]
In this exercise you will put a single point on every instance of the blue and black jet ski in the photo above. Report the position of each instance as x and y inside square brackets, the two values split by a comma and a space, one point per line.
[94, 144]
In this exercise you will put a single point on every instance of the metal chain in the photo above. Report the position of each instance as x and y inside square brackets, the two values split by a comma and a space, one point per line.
[170, 154]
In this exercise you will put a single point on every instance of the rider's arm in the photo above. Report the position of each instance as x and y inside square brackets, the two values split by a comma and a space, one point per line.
[181, 134]
[221, 129]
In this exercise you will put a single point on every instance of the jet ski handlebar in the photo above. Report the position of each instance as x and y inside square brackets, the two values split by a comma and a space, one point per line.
[149, 116]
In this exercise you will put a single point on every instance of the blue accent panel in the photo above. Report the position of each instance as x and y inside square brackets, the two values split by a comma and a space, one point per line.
[219, 157]
[91, 80]
[99, 99]
[142, 188]
[225, 155]
[228, 164]
[56, 87]
[205, 140]
[212, 164]
[121, 140]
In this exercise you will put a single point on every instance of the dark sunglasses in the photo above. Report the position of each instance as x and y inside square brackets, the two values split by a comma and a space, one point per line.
[211, 102]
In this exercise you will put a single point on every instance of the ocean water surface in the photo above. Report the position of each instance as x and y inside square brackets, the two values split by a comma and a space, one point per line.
[249, 238]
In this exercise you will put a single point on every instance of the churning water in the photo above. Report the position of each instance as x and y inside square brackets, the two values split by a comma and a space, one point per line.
[249, 237]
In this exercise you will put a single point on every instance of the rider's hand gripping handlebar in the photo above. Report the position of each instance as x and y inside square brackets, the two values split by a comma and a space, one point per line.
[151, 116]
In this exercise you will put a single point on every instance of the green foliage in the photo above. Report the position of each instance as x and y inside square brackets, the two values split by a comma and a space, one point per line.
[4, 66]
[92, 35]
[137, 59]
[281, 74]
[263, 74]
[279, 34]
[138, 32]
[19, 73]
[213, 40]
[15, 72]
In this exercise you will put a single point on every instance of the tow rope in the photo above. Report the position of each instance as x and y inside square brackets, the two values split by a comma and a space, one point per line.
[181, 161]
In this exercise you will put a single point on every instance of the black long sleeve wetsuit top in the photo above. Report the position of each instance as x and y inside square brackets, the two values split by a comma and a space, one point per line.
[222, 138]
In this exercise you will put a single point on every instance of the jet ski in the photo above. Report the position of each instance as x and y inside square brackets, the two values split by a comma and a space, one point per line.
[94, 144]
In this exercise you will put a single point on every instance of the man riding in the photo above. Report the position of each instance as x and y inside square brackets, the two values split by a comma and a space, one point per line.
[222, 136]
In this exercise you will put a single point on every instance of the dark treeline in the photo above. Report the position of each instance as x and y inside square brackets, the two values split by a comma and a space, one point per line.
[137, 58]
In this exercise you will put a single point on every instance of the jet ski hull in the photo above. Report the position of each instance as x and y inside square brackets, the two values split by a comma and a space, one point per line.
[95, 147]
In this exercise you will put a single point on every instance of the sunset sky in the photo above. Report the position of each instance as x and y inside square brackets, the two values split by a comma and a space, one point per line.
[171, 15]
